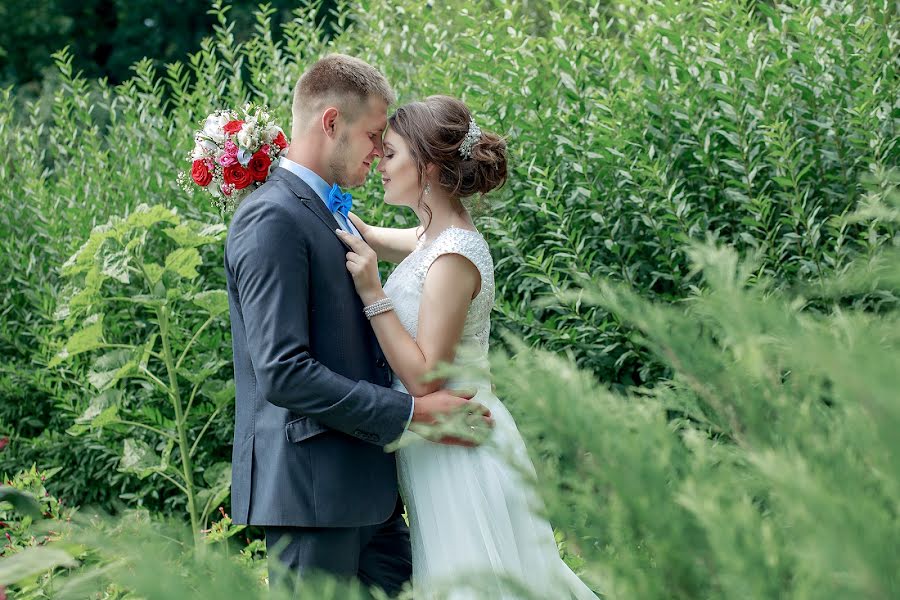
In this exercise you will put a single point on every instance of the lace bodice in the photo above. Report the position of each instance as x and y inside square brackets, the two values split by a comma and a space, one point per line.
[405, 285]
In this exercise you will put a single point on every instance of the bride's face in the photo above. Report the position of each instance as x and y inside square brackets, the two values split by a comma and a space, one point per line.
[398, 172]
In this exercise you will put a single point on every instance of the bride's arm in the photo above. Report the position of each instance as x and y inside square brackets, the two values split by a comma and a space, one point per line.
[392, 245]
[450, 284]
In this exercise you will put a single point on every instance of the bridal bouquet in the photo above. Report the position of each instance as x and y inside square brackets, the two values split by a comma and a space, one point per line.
[233, 154]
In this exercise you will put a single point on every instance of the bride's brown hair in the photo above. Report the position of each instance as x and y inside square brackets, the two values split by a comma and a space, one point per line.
[434, 129]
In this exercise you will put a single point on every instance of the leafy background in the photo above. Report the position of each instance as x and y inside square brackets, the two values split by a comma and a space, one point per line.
[696, 261]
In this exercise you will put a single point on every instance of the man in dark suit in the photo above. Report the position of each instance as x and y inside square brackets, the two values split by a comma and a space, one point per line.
[313, 405]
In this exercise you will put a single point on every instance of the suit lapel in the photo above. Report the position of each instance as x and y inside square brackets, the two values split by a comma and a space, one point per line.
[307, 196]
[312, 201]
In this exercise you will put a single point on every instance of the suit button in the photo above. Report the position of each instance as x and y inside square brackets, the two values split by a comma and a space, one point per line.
[380, 363]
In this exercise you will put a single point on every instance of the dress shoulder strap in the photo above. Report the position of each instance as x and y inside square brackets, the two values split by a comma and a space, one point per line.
[454, 240]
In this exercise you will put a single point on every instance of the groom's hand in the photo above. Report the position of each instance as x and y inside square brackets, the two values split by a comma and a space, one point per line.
[442, 405]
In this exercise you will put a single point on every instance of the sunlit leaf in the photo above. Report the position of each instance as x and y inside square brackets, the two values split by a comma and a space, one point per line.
[84, 340]
[215, 302]
[184, 262]
[195, 234]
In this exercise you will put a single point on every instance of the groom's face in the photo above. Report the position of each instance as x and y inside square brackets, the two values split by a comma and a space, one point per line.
[359, 144]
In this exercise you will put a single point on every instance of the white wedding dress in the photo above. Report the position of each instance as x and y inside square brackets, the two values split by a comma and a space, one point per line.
[472, 516]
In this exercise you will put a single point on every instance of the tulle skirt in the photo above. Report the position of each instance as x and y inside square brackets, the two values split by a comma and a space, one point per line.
[474, 521]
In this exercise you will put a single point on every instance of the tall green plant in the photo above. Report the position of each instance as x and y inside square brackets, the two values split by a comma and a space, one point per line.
[137, 305]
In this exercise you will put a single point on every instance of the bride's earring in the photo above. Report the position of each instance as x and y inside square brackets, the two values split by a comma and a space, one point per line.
[427, 191]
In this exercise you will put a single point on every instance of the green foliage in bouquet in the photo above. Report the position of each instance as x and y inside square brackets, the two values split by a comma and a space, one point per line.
[136, 305]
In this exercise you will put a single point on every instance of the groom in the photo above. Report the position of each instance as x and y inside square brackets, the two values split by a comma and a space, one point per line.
[313, 408]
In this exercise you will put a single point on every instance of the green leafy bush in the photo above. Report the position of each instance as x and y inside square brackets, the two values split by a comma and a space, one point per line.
[777, 480]
[637, 127]
[635, 130]
[137, 304]
[777, 477]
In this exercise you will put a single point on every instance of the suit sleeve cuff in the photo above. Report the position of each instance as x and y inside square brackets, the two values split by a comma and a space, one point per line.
[412, 408]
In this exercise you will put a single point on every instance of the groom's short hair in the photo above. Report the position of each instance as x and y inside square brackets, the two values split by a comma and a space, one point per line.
[338, 80]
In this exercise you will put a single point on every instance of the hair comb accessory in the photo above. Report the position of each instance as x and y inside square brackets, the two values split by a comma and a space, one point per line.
[472, 137]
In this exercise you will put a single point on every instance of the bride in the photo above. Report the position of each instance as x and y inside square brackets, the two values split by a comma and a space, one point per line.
[472, 515]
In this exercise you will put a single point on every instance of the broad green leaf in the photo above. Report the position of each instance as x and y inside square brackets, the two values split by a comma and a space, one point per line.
[145, 216]
[84, 256]
[215, 302]
[138, 240]
[72, 298]
[184, 262]
[213, 497]
[218, 477]
[138, 458]
[154, 272]
[220, 392]
[82, 298]
[33, 561]
[101, 411]
[111, 367]
[193, 234]
[88, 338]
[115, 265]
[207, 369]
[22, 501]
[142, 460]
[218, 474]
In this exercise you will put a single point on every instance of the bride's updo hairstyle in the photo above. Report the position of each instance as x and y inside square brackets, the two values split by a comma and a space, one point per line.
[439, 131]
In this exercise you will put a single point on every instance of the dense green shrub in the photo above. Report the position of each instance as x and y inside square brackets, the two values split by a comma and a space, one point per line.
[156, 332]
[778, 480]
[89, 152]
[634, 128]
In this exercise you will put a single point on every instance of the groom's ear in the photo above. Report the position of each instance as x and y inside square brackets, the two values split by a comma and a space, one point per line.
[329, 120]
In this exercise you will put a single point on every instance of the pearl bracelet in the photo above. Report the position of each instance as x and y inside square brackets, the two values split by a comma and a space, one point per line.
[378, 307]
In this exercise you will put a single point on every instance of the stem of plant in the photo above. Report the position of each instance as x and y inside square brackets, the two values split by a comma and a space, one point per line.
[193, 339]
[180, 424]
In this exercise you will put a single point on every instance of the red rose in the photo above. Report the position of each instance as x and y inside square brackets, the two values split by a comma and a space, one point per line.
[200, 173]
[237, 176]
[280, 141]
[232, 127]
[259, 165]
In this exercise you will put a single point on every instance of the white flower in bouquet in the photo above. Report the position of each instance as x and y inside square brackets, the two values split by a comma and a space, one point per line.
[270, 133]
[212, 128]
[204, 148]
[248, 137]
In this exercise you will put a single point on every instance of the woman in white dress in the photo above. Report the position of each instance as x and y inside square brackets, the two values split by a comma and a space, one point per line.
[473, 517]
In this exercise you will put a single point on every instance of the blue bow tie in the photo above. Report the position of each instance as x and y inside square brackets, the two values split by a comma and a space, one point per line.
[339, 201]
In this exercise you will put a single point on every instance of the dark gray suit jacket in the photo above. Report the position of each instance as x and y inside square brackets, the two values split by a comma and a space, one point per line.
[312, 410]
